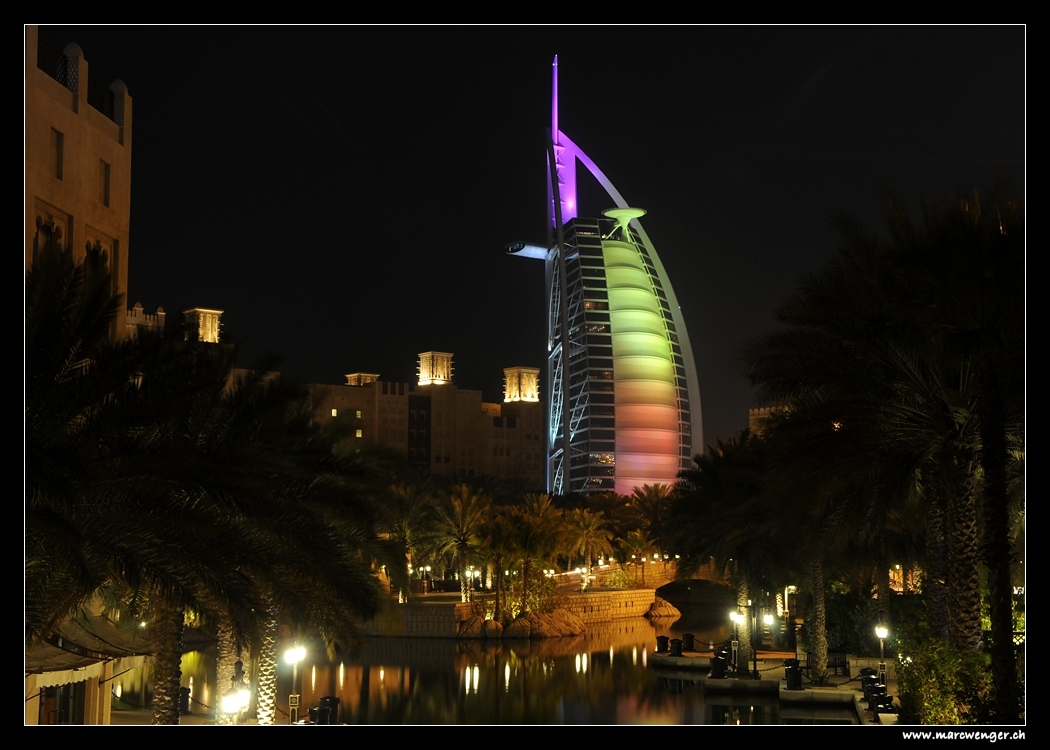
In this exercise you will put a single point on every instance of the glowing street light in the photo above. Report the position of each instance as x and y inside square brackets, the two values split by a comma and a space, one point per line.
[293, 656]
[235, 700]
[881, 631]
[736, 618]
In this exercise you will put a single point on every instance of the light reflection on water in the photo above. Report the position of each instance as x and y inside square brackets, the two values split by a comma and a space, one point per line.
[601, 678]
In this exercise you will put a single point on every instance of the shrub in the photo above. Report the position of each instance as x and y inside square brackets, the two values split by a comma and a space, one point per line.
[938, 686]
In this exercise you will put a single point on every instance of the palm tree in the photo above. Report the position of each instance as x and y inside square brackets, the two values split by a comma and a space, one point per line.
[722, 511]
[651, 504]
[267, 655]
[537, 529]
[914, 342]
[456, 528]
[589, 535]
[150, 470]
[976, 263]
[499, 544]
[402, 515]
[620, 517]
[851, 356]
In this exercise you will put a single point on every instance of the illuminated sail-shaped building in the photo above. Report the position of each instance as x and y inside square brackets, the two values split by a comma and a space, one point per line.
[623, 403]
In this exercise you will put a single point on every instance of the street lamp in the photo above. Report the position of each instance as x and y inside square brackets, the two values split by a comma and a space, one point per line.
[881, 631]
[293, 656]
[737, 618]
[235, 700]
[753, 606]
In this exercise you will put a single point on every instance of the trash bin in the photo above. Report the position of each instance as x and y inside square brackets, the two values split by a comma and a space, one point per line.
[718, 668]
[793, 674]
[329, 710]
[688, 640]
[661, 644]
[676, 647]
[877, 691]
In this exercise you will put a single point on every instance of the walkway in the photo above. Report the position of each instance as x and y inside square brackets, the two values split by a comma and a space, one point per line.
[771, 679]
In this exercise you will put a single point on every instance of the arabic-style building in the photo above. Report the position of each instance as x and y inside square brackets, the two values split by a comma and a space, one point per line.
[77, 162]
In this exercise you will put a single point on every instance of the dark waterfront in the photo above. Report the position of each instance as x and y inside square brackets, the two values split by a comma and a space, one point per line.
[604, 677]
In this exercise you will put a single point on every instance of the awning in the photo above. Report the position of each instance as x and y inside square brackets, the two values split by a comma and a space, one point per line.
[80, 648]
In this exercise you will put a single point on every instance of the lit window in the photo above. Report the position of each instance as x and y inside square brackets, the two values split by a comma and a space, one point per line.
[358, 413]
[335, 412]
[360, 433]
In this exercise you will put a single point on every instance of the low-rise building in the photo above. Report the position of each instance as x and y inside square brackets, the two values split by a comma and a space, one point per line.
[440, 428]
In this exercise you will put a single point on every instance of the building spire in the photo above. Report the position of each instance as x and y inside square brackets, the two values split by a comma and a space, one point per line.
[564, 158]
[554, 102]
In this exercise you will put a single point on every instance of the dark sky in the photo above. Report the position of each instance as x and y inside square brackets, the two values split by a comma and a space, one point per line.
[345, 193]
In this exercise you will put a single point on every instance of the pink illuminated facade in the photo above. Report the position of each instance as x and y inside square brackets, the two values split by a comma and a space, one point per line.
[623, 404]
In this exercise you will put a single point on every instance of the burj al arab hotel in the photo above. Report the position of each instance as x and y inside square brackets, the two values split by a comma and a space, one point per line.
[623, 404]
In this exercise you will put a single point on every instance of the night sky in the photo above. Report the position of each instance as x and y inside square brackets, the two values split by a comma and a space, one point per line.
[345, 193]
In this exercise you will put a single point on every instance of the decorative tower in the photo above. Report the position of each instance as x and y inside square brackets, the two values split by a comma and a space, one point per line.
[203, 324]
[435, 368]
[521, 384]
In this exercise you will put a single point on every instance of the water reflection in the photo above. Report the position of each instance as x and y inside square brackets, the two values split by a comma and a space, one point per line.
[600, 678]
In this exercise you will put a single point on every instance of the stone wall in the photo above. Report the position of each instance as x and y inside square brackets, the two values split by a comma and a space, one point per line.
[442, 619]
[438, 620]
[602, 606]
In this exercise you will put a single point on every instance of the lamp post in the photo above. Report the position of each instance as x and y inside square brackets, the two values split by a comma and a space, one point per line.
[293, 656]
[882, 631]
[235, 700]
[736, 617]
[754, 627]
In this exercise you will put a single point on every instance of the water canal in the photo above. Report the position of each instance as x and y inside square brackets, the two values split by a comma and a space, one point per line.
[605, 677]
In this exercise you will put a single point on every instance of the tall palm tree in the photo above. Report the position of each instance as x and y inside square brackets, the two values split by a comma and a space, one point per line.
[150, 470]
[402, 515]
[651, 504]
[537, 533]
[976, 264]
[914, 341]
[852, 355]
[455, 529]
[499, 544]
[589, 535]
[722, 511]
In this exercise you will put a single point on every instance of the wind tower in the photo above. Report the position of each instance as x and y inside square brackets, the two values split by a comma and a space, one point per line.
[623, 404]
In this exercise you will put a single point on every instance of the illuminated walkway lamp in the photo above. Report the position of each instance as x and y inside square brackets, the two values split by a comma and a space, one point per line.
[881, 631]
[235, 700]
[737, 618]
[293, 656]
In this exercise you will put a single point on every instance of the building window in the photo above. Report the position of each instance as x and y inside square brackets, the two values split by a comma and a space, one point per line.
[103, 183]
[358, 413]
[57, 153]
[359, 433]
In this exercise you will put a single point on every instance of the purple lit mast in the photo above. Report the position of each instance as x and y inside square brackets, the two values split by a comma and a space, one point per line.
[565, 161]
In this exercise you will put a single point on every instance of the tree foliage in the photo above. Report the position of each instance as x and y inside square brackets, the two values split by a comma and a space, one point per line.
[898, 372]
[153, 470]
